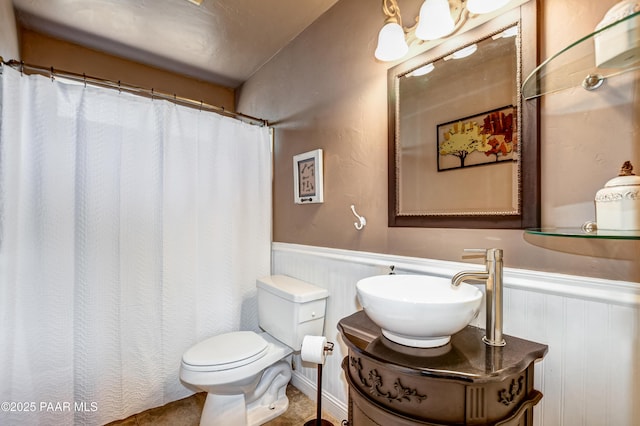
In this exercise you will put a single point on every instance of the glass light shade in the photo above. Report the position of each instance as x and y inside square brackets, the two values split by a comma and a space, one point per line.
[423, 70]
[391, 43]
[485, 6]
[464, 52]
[510, 32]
[435, 20]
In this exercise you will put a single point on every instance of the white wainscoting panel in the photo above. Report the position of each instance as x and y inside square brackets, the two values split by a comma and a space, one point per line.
[591, 374]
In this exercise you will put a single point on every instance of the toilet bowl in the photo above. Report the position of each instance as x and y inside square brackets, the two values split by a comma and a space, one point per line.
[243, 376]
[245, 373]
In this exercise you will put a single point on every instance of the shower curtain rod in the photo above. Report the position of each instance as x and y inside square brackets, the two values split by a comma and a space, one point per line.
[151, 93]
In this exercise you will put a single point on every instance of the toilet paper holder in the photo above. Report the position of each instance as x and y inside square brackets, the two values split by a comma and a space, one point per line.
[319, 421]
[328, 347]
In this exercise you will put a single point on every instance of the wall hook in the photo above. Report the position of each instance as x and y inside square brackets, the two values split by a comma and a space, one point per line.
[362, 220]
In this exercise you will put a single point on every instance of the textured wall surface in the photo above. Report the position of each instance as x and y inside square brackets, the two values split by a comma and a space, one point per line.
[39, 49]
[9, 48]
[326, 90]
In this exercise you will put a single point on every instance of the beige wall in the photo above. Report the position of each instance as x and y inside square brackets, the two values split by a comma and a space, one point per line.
[42, 50]
[8, 35]
[325, 90]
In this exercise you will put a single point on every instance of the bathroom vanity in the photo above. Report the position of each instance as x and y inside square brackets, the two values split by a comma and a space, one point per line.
[465, 382]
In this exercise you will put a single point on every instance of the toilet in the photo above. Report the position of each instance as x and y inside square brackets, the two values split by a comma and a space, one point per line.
[245, 373]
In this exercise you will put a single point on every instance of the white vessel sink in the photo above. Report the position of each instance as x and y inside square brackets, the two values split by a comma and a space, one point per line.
[418, 310]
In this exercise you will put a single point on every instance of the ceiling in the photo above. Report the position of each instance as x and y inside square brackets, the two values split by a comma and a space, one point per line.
[220, 41]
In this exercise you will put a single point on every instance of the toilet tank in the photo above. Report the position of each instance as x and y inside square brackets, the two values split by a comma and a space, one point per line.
[289, 309]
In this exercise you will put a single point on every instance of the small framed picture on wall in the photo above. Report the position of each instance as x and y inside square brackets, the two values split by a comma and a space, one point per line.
[307, 177]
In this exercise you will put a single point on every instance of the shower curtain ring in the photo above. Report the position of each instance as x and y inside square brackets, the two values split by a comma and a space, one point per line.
[21, 68]
[119, 87]
[51, 73]
[84, 80]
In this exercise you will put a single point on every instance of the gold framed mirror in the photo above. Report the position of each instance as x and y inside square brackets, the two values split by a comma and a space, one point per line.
[463, 145]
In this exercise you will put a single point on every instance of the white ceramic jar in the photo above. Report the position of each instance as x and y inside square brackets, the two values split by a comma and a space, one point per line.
[619, 47]
[618, 203]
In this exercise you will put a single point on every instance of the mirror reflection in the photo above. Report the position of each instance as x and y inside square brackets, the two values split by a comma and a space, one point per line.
[456, 133]
[458, 152]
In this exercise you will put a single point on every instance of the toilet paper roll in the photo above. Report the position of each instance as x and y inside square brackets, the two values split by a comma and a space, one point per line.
[313, 349]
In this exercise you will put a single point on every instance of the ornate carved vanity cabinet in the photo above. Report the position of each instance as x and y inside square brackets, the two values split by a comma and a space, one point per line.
[465, 382]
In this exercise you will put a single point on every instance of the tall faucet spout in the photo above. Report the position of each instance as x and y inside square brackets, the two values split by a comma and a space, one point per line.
[475, 277]
[491, 278]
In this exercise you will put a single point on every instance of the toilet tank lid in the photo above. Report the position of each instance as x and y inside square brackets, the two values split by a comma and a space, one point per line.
[292, 289]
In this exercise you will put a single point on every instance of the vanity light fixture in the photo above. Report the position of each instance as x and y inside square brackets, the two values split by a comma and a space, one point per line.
[437, 19]
[425, 69]
[464, 52]
[391, 42]
[509, 32]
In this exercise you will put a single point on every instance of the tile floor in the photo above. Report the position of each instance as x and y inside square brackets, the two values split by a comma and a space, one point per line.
[186, 412]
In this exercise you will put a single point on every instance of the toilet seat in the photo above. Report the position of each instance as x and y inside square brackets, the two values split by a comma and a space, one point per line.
[205, 376]
[226, 351]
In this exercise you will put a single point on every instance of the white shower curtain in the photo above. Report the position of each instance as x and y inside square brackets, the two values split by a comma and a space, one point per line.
[130, 229]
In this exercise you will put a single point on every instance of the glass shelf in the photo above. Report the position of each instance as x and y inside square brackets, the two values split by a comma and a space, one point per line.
[572, 65]
[581, 233]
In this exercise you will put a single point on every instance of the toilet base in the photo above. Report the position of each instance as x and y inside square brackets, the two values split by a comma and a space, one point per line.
[230, 410]
[268, 401]
[223, 410]
[260, 414]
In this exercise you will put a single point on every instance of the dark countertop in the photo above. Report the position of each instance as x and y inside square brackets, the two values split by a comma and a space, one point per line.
[465, 358]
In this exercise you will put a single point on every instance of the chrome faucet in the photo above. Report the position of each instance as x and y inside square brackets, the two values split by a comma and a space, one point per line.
[492, 280]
